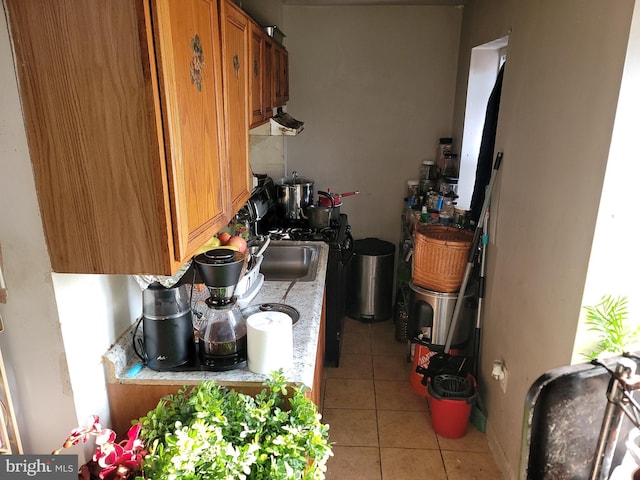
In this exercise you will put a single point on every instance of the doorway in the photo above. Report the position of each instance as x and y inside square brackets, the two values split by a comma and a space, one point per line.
[485, 64]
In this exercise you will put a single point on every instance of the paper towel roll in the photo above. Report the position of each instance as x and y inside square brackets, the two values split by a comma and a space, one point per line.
[269, 342]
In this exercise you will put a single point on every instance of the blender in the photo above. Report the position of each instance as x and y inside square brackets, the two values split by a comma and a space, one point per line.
[167, 328]
[222, 336]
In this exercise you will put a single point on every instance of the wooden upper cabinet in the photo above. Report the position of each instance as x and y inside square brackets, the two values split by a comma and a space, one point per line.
[262, 75]
[237, 69]
[123, 113]
[188, 51]
[256, 57]
[281, 78]
[268, 77]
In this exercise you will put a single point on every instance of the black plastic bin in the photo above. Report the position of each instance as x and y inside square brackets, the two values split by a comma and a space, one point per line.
[370, 280]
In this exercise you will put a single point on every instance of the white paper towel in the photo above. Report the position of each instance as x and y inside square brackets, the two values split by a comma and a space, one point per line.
[269, 342]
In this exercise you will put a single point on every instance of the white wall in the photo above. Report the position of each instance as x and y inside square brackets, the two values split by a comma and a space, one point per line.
[56, 326]
[558, 104]
[375, 87]
[31, 343]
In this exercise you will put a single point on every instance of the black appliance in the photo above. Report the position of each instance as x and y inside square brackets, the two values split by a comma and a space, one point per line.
[260, 209]
[338, 237]
[565, 411]
[167, 328]
[222, 336]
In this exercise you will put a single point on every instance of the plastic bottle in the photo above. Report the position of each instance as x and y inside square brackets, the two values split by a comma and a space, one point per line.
[424, 214]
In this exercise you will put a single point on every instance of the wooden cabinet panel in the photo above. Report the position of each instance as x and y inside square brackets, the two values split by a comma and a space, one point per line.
[262, 76]
[281, 66]
[188, 51]
[124, 128]
[317, 393]
[236, 70]
[256, 94]
[268, 77]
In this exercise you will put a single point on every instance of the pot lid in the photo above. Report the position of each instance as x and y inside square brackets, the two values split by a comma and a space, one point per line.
[273, 307]
[294, 179]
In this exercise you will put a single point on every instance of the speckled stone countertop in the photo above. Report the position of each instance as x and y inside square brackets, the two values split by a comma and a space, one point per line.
[121, 362]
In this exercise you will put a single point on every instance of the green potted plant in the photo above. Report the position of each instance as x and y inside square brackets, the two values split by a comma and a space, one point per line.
[609, 320]
[210, 432]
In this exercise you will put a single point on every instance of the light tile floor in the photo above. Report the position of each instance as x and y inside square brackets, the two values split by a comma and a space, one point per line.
[380, 428]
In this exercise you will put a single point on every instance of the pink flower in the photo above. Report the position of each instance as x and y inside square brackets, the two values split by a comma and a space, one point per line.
[115, 460]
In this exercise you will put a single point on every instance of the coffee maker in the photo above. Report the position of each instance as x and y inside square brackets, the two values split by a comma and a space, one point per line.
[222, 331]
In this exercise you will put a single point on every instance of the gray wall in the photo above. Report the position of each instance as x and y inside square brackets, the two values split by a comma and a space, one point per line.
[31, 343]
[559, 99]
[375, 87]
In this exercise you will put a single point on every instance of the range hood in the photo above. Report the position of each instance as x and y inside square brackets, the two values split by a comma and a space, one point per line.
[284, 124]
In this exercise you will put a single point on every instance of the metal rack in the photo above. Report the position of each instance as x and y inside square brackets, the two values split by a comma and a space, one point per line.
[624, 381]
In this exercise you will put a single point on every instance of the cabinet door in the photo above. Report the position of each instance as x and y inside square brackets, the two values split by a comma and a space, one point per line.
[188, 54]
[236, 70]
[94, 137]
[268, 77]
[256, 56]
[281, 76]
[284, 74]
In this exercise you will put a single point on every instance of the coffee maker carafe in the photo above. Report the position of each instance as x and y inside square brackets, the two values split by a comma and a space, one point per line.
[222, 337]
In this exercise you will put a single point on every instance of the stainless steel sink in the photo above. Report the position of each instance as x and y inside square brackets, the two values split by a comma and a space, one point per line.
[290, 261]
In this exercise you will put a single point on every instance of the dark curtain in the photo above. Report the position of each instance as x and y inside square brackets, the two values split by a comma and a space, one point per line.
[487, 145]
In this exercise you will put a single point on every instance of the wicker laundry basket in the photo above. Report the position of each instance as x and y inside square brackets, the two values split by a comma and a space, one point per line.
[440, 256]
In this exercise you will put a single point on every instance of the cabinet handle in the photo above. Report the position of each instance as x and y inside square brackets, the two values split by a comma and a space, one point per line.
[197, 62]
[236, 64]
[255, 67]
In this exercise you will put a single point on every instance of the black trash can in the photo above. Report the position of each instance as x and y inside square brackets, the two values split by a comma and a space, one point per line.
[370, 280]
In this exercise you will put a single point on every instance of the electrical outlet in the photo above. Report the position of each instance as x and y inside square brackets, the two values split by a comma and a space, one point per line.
[503, 380]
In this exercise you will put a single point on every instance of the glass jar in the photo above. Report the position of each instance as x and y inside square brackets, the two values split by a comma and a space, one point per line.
[448, 207]
[444, 146]
[447, 184]
[460, 217]
[428, 176]
[242, 224]
[450, 165]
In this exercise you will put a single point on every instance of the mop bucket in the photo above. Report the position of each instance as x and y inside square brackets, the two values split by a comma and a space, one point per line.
[422, 354]
[450, 400]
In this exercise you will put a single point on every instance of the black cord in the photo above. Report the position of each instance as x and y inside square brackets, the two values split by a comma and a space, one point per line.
[141, 342]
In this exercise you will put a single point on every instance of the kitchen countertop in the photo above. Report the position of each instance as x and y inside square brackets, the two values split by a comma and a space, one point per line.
[307, 297]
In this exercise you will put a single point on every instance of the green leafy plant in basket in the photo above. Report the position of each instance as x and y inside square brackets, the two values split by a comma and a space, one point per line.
[609, 319]
[211, 432]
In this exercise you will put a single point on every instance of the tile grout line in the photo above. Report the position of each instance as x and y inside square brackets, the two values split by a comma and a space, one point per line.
[375, 400]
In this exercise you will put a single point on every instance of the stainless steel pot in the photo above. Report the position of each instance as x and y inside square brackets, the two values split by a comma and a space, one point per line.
[330, 201]
[293, 196]
[319, 217]
[431, 312]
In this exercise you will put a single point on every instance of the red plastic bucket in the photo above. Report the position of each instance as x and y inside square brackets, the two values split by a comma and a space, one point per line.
[422, 353]
[450, 416]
